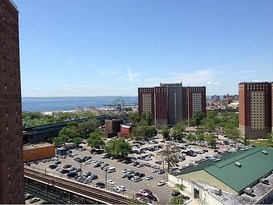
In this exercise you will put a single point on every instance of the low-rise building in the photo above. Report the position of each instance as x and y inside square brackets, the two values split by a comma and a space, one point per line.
[125, 130]
[34, 152]
[244, 177]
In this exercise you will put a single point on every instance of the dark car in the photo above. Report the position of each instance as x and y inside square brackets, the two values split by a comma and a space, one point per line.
[72, 174]
[94, 176]
[161, 171]
[52, 166]
[64, 171]
[175, 193]
[135, 164]
[57, 162]
[100, 185]
[97, 165]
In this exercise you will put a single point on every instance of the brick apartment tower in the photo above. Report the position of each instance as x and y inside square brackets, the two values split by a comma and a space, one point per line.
[174, 102]
[11, 140]
[195, 101]
[255, 109]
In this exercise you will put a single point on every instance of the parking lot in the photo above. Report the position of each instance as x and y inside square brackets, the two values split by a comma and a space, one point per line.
[150, 164]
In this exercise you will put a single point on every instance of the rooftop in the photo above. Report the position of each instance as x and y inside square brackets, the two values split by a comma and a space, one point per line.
[241, 169]
[35, 146]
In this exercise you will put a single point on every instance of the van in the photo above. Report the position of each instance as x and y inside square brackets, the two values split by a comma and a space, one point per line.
[111, 169]
[106, 155]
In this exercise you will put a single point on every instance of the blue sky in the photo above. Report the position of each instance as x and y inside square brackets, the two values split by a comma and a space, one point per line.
[112, 47]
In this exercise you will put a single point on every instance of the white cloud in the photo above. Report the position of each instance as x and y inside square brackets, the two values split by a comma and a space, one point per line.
[212, 83]
[132, 76]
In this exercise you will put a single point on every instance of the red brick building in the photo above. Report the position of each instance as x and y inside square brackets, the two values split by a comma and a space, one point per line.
[154, 101]
[11, 139]
[112, 127]
[171, 103]
[125, 130]
[196, 101]
[255, 109]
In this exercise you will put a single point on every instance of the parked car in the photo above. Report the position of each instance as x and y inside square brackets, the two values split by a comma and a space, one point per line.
[149, 178]
[110, 181]
[161, 171]
[121, 188]
[161, 183]
[33, 200]
[175, 193]
[100, 185]
[52, 166]
[72, 174]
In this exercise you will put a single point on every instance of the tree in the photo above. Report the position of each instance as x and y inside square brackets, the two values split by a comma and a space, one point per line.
[177, 200]
[66, 135]
[95, 140]
[87, 127]
[170, 156]
[147, 119]
[134, 118]
[118, 147]
[211, 140]
[178, 132]
[197, 118]
[166, 133]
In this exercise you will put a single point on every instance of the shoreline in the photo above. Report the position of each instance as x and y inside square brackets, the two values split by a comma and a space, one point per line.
[94, 110]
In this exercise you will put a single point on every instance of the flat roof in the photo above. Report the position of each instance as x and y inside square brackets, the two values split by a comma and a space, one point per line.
[35, 146]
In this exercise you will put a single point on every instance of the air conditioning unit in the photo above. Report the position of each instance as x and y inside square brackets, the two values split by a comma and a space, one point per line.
[218, 192]
[238, 164]
[249, 191]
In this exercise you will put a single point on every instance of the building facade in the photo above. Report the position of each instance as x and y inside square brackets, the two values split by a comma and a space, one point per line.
[255, 109]
[11, 139]
[174, 102]
[196, 101]
[171, 103]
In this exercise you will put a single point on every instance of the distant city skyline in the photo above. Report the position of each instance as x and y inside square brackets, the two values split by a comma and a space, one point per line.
[112, 47]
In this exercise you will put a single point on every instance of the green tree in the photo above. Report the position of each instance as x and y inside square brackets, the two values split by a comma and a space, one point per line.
[166, 133]
[95, 140]
[197, 118]
[66, 135]
[87, 127]
[178, 132]
[170, 156]
[211, 140]
[134, 118]
[177, 200]
[147, 119]
[118, 147]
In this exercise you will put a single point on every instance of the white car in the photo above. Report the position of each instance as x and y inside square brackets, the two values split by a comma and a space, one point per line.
[149, 178]
[143, 192]
[110, 181]
[33, 200]
[121, 188]
[161, 183]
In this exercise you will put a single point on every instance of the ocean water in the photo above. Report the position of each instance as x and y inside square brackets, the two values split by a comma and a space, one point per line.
[47, 104]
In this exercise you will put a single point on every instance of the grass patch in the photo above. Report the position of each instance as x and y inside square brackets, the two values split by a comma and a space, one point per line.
[263, 142]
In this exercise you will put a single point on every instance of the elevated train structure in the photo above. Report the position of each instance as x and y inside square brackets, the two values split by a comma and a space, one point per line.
[40, 133]
[59, 190]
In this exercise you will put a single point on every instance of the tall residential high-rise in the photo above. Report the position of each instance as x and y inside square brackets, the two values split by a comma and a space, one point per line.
[174, 102]
[11, 140]
[196, 101]
[154, 101]
[171, 103]
[255, 109]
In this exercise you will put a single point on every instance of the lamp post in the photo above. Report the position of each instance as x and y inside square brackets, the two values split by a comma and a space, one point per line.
[105, 177]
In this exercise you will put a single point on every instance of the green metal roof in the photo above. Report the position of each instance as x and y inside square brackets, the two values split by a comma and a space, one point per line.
[251, 165]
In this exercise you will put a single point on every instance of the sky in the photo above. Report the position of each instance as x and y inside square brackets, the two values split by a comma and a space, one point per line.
[112, 47]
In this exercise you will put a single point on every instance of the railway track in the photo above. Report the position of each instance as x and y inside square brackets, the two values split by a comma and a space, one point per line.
[93, 193]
